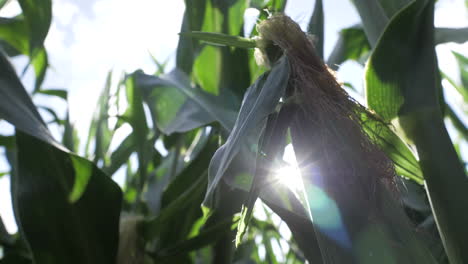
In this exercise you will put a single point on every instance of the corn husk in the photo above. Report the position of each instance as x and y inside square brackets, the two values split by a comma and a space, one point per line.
[348, 180]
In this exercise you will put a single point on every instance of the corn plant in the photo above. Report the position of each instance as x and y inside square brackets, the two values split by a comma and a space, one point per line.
[381, 183]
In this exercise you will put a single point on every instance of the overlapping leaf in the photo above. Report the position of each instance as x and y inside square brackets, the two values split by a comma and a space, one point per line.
[27, 33]
[65, 206]
[259, 101]
[463, 65]
[405, 163]
[375, 15]
[99, 130]
[351, 45]
[178, 107]
[188, 48]
[316, 27]
[212, 65]
[457, 35]
[403, 84]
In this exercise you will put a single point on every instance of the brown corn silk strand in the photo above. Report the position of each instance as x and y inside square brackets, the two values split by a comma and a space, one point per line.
[348, 179]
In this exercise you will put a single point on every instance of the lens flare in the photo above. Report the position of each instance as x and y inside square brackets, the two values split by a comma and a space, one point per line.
[289, 175]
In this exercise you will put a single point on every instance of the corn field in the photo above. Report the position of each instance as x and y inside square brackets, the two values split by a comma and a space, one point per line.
[380, 181]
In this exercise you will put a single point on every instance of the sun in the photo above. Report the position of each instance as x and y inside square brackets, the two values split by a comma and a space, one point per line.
[289, 175]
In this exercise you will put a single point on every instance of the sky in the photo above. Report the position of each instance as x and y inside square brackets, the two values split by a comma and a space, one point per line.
[88, 38]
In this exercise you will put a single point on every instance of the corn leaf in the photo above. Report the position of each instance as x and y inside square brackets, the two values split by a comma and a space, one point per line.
[219, 39]
[38, 17]
[457, 35]
[5, 238]
[26, 34]
[55, 92]
[189, 107]
[351, 45]
[212, 65]
[58, 196]
[99, 130]
[405, 87]
[204, 238]
[375, 15]
[463, 65]
[315, 27]
[259, 101]
[405, 163]
[188, 48]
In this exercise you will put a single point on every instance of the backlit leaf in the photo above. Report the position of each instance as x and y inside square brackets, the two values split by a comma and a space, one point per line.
[179, 107]
[403, 84]
[260, 100]
[44, 181]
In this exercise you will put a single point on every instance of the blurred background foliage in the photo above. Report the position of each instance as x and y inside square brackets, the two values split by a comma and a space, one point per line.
[69, 210]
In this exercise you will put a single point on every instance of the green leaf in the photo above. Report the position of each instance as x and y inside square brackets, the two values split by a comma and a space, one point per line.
[99, 129]
[83, 172]
[40, 63]
[456, 121]
[463, 65]
[55, 117]
[258, 4]
[15, 32]
[235, 74]
[161, 67]
[7, 141]
[462, 90]
[219, 39]
[28, 32]
[277, 5]
[43, 179]
[2, 3]
[16, 106]
[405, 163]
[413, 196]
[38, 17]
[375, 15]
[56, 229]
[260, 100]
[155, 226]
[189, 174]
[210, 57]
[391, 7]
[245, 216]
[351, 45]
[70, 139]
[55, 92]
[233, 13]
[5, 237]
[403, 84]
[212, 65]
[457, 35]
[204, 238]
[316, 27]
[373, 18]
[302, 229]
[189, 107]
[166, 171]
[188, 47]
[270, 152]
[136, 117]
[180, 227]
[121, 154]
